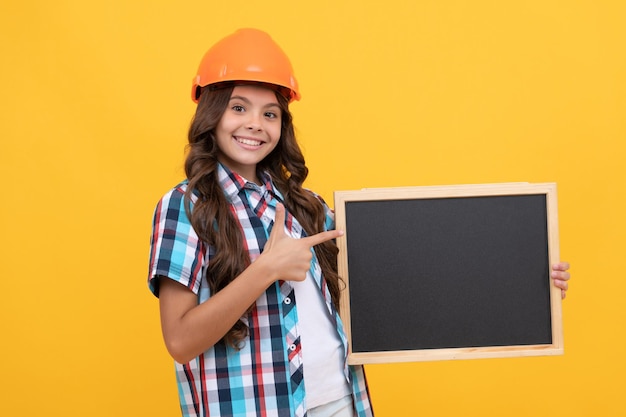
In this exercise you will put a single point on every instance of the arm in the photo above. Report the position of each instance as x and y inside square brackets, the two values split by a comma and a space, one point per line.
[190, 329]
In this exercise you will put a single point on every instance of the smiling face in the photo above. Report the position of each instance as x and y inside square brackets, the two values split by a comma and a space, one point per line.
[249, 129]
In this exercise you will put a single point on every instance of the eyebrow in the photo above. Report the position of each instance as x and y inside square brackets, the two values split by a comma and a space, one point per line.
[243, 98]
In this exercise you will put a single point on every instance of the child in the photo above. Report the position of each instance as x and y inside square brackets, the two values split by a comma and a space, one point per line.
[243, 259]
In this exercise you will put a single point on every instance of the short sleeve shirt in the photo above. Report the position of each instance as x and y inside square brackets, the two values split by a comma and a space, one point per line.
[264, 377]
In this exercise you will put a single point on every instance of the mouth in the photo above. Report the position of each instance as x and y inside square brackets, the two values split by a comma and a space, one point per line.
[248, 141]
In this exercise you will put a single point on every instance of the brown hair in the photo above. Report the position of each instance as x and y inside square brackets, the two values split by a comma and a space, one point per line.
[287, 168]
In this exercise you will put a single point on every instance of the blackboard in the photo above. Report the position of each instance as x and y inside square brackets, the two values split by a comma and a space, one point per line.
[450, 272]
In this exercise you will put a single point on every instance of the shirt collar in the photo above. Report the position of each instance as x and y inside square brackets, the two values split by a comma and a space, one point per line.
[233, 183]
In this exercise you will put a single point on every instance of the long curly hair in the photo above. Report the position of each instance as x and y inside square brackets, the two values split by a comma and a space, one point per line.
[287, 168]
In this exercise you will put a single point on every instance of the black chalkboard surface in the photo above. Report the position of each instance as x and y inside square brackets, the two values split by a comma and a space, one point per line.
[449, 272]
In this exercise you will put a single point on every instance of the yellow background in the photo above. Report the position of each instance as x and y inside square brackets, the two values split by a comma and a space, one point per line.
[94, 111]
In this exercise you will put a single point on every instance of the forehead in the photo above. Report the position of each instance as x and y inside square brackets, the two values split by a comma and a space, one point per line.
[255, 93]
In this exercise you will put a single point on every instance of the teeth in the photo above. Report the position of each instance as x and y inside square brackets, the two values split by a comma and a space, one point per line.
[249, 141]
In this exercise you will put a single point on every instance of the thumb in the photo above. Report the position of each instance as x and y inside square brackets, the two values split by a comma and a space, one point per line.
[279, 222]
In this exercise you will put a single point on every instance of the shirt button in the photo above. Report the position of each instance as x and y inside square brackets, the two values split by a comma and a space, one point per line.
[292, 347]
[287, 300]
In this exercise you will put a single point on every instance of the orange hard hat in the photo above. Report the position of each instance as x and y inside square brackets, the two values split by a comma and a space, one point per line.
[246, 55]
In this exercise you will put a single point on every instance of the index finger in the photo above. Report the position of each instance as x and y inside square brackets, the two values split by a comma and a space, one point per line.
[322, 237]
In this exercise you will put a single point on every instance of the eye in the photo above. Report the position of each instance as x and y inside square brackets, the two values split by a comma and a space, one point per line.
[238, 108]
[271, 115]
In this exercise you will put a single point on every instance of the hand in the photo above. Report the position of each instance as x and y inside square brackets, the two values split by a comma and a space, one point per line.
[290, 258]
[560, 276]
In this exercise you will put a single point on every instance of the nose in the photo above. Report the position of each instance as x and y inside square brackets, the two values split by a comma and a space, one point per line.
[254, 121]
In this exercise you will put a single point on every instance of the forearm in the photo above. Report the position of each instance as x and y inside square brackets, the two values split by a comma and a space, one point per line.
[190, 328]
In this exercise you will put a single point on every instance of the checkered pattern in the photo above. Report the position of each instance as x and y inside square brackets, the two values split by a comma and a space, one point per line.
[265, 377]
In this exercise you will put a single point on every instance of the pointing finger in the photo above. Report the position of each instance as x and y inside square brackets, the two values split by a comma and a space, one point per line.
[322, 237]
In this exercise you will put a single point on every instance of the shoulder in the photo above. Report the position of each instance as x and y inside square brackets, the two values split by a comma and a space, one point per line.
[328, 212]
[316, 195]
[175, 193]
[175, 197]
[171, 211]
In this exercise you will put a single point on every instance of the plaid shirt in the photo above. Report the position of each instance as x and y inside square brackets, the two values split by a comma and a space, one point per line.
[265, 377]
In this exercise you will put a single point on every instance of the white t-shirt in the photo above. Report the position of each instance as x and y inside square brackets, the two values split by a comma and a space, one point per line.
[322, 350]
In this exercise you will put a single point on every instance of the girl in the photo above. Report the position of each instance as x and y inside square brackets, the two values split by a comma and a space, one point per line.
[243, 259]
[248, 310]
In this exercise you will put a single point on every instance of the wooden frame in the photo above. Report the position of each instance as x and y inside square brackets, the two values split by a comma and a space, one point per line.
[372, 338]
